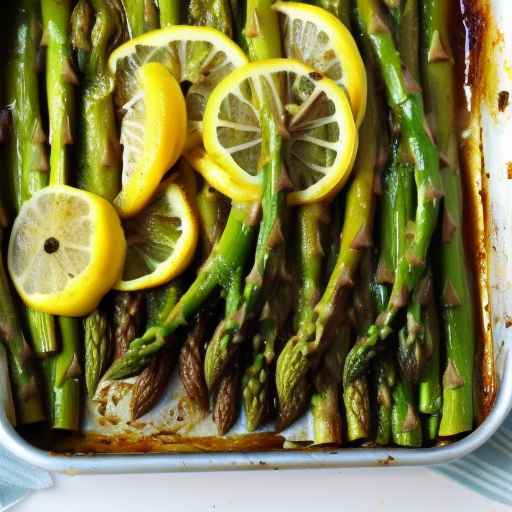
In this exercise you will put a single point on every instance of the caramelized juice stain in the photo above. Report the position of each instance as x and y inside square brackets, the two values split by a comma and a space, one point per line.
[475, 41]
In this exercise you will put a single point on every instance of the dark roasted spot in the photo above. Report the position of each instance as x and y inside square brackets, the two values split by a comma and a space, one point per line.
[503, 99]
[315, 75]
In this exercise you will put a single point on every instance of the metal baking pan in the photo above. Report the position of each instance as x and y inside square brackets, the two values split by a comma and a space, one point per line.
[489, 187]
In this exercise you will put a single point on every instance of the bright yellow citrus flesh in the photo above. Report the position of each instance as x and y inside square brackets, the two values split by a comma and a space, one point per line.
[198, 56]
[161, 240]
[216, 176]
[66, 251]
[320, 141]
[319, 39]
[153, 136]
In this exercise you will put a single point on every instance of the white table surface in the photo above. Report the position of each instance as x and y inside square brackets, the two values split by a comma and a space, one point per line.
[355, 490]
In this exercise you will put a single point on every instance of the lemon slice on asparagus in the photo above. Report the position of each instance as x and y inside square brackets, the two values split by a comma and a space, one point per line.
[152, 135]
[66, 250]
[198, 58]
[319, 39]
[320, 135]
[213, 173]
[161, 240]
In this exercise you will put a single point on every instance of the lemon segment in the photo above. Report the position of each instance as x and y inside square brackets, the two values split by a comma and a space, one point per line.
[317, 38]
[320, 135]
[161, 240]
[66, 251]
[152, 135]
[212, 172]
[199, 57]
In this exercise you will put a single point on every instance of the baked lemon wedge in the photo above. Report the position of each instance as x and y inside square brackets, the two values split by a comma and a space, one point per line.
[197, 57]
[153, 131]
[317, 38]
[161, 240]
[315, 115]
[66, 250]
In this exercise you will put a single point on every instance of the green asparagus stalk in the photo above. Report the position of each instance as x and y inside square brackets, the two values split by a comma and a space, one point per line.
[457, 305]
[325, 402]
[238, 16]
[64, 369]
[211, 13]
[384, 370]
[97, 348]
[405, 423]
[356, 395]
[340, 8]
[99, 168]
[66, 372]
[150, 384]
[212, 209]
[317, 331]
[411, 349]
[96, 27]
[261, 32]
[385, 379]
[170, 12]
[141, 16]
[26, 390]
[222, 348]
[429, 386]
[191, 360]
[309, 269]
[30, 166]
[128, 310]
[225, 407]
[61, 80]
[406, 103]
[28, 157]
[256, 381]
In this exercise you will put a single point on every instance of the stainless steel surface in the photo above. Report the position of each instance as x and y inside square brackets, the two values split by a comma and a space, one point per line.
[496, 130]
[355, 457]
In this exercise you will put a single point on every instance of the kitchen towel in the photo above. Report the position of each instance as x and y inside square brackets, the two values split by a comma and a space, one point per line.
[18, 480]
[489, 469]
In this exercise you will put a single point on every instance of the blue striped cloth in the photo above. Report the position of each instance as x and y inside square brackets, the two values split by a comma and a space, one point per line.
[18, 479]
[489, 469]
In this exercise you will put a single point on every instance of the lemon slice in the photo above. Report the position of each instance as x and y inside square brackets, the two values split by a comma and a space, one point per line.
[213, 173]
[197, 57]
[317, 38]
[66, 250]
[320, 135]
[152, 135]
[161, 240]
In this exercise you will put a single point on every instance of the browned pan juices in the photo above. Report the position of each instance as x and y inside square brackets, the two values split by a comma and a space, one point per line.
[474, 37]
[168, 443]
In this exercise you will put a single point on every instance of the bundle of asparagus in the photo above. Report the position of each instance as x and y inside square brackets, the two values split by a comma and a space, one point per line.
[323, 307]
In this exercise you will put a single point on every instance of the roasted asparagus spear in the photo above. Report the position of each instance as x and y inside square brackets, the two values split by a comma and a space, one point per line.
[29, 166]
[456, 302]
[26, 390]
[406, 102]
[61, 80]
